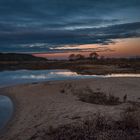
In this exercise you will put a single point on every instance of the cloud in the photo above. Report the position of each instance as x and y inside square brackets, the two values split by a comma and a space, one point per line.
[77, 36]
[49, 24]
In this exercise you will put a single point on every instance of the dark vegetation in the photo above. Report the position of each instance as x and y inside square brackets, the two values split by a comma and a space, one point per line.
[10, 57]
[95, 97]
[98, 127]
[78, 63]
[89, 96]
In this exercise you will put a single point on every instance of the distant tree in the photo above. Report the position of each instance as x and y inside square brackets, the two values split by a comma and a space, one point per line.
[79, 57]
[93, 56]
[72, 57]
[76, 57]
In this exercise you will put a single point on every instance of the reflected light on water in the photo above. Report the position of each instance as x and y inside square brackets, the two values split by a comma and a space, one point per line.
[47, 75]
[65, 73]
[6, 110]
[123, 75]
[29, 76]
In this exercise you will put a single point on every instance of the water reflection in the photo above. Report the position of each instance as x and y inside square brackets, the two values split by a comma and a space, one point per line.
[64, 73]
[123, 75]
[6, 110]
[29, 76]
[48, 74]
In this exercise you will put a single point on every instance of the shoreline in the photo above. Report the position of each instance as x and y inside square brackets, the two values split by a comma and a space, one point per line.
[4, 130]
[86, 66]
[21, 104]
[94, 71]
[77, 77]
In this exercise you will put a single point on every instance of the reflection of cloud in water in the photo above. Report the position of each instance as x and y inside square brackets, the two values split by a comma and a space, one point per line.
[64, 73]
[123, 75]
[29, 76]
[52, 75]
[32, 77]
[48, 75]
[6, 110]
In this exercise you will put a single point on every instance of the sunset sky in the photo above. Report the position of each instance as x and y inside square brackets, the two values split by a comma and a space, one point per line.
[57, 28]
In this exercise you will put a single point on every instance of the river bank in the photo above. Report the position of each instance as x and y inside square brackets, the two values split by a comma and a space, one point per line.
[51, 104]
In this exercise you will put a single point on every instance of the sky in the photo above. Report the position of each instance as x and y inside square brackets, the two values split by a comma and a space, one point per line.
[61, 27]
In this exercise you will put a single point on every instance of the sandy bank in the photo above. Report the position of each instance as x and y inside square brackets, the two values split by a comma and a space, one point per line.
[39, 106]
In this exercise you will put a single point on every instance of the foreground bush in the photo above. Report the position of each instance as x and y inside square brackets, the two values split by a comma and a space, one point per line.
[89, 96]
[99, 128]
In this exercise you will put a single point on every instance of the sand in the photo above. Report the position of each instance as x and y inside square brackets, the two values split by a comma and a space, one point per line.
[39, 106]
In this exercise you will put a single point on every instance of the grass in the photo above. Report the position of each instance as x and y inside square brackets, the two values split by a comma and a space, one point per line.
[131, 116]
[100, 128]
[89, 96]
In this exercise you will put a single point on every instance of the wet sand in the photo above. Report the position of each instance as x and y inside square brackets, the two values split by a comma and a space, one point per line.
[43, 105]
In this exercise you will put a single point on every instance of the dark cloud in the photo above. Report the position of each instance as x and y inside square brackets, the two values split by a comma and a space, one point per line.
[38, 25]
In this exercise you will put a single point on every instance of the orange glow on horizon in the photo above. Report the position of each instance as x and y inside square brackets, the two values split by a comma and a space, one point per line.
[122, 48]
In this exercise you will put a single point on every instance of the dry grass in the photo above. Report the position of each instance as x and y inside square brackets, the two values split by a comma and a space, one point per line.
[99, 128]
[89, 96]
[130, 117]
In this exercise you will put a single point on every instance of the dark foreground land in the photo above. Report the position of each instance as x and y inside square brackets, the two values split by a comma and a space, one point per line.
[82, 66]
[89, 109]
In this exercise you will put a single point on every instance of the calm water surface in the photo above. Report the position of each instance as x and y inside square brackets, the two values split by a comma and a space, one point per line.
[28, 76]
[6, 110]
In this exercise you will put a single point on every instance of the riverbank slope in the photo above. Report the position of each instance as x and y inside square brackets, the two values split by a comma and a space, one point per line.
[41, 106]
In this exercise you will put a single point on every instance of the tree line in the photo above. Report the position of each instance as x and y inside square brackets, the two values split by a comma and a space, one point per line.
[92, 56]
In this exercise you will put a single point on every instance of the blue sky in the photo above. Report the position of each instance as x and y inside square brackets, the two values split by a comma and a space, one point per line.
[45, 25]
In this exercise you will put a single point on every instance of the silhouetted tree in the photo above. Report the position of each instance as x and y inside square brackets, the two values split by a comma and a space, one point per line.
[76, 57]
[93, 56]
[79, 57]
[72, 57]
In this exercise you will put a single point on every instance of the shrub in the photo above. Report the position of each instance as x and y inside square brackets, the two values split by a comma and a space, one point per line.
[87, 95]
[130, 117]
[99, 128]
